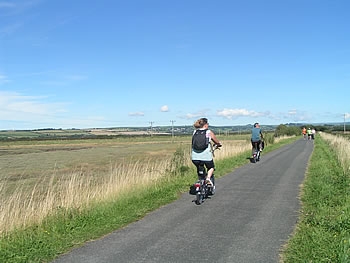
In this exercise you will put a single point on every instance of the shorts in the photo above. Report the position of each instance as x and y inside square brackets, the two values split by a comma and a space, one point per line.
[207, 164]
[258, 144]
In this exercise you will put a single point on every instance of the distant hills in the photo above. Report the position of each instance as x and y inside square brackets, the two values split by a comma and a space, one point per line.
[49, 133]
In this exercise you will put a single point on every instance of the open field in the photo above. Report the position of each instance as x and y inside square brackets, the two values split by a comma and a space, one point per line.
[22, 160]
[47, 212]
[39, 176]
[322, 234]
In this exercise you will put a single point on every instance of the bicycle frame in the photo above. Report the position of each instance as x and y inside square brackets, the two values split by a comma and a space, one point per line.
[201, 186]
[203, 190]
[256, 154]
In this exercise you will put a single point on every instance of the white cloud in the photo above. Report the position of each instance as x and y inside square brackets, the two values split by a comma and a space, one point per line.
[20, 111]
[295, 115]
[10, 29]
[3, 79]
[76, 77]
[235, 113]
[199, 114]
[292, 112]
[139, 113]
[6, 5]
[347, 115]
[192, 115]
[53, 83]
[164, 108]
[17, 107]
[59, 80]
[16, 8]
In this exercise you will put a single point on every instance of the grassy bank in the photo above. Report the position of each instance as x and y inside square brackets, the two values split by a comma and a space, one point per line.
[323, 232]
[68, 227]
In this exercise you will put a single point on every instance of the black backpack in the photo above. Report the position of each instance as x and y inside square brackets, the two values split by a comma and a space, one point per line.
[200, 141]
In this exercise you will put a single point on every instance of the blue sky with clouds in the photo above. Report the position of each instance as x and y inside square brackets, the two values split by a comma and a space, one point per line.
[83, 64]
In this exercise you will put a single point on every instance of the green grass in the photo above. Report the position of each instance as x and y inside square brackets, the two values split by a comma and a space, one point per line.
[323, 233]
[69, 228]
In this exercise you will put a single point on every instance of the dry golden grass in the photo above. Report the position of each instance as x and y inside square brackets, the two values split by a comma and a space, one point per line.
[75, 190]
[30, 201]
[342, 147]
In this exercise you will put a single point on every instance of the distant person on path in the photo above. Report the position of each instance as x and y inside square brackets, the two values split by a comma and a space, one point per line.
[304, 133]
[313, 132]
[256, 137]
[205, 156]
[309, 132]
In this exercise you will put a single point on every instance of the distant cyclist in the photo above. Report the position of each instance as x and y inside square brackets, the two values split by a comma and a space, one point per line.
[309, 133]
[256, 138]
[313, 133]
[199, 156]
[304, 131]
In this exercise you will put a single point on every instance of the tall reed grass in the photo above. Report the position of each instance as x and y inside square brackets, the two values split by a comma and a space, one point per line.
[75, 190]
[341, 145]
[78, 189]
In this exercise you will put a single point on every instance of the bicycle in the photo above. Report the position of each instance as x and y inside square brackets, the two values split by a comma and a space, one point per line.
[256, 153]
[201, 189]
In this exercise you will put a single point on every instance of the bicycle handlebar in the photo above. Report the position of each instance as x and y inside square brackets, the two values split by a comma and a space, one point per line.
[216, 146]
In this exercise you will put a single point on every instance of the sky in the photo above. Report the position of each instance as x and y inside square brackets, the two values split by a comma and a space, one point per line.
[138, 63]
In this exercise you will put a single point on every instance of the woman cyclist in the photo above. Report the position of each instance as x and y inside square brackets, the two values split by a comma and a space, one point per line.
[205, 156]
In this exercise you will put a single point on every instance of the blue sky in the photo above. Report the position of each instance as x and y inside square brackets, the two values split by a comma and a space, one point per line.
[84, 64]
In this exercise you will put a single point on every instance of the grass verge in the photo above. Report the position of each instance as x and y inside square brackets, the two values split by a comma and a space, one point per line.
[69, 228]
[323, 232]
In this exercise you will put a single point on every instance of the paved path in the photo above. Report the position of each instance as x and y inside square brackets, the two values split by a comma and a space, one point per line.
[250, 217]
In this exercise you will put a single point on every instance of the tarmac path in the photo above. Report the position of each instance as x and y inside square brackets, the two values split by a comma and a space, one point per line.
[249, 219]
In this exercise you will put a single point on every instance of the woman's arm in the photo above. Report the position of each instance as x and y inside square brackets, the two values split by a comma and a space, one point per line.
[214, 139]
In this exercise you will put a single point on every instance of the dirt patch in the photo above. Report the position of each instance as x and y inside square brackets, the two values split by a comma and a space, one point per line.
[112, 132]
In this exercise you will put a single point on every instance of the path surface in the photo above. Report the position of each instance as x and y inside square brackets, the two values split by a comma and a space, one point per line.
[250, 217]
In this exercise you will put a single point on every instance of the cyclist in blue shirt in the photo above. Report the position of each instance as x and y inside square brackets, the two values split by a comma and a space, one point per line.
[256, 137]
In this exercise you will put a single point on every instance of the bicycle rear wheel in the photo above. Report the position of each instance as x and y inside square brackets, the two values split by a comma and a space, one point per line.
[199, 198]
[202, 193]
